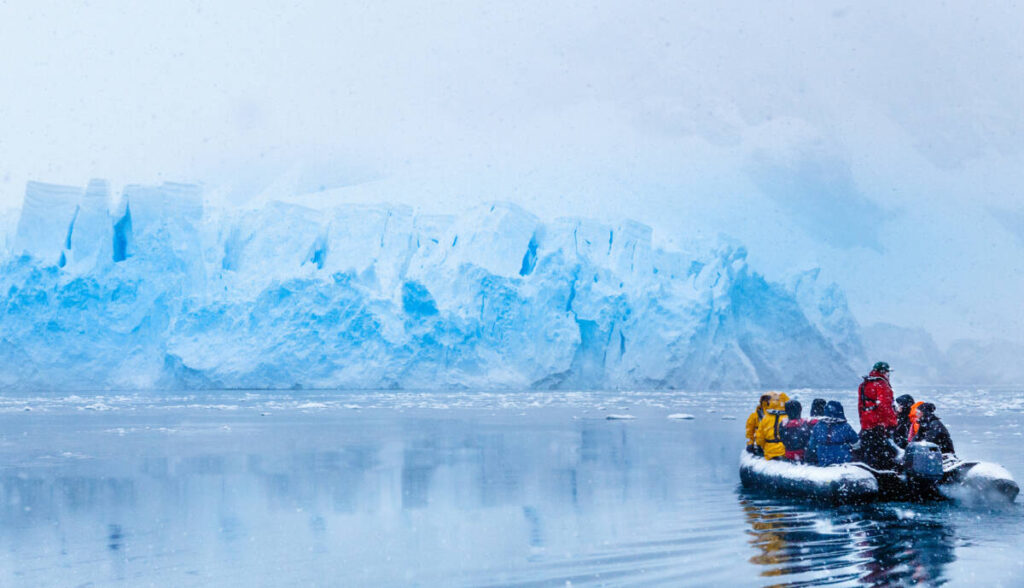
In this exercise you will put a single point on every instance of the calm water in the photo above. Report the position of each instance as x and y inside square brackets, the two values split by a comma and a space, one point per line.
[458, 489]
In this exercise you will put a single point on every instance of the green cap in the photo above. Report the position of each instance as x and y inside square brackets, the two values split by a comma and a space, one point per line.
[881, 366]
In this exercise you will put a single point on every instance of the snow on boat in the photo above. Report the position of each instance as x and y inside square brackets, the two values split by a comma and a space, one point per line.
[839, 483]
[974, 480]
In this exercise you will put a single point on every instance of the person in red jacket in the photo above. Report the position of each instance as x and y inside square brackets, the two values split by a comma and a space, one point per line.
[795, 432]
[877, 419]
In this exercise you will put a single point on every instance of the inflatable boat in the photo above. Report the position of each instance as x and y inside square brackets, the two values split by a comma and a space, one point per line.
[843, 483]
[925, 475]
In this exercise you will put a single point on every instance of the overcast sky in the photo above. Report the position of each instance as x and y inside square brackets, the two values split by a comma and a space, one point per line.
[881, 141]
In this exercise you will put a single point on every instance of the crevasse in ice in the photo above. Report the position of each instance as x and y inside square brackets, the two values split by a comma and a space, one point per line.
[160, 291]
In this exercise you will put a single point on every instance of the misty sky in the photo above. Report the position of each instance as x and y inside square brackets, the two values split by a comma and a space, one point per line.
[881, 141]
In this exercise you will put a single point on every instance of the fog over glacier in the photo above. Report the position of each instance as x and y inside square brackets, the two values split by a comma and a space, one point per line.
[810, 137]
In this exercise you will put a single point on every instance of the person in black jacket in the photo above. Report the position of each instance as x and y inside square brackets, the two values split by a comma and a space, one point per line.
[903, 404]
[931, 429]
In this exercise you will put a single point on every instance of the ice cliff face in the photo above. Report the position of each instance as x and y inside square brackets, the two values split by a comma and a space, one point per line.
[161, 291]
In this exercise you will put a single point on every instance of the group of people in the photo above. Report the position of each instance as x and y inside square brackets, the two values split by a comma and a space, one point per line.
[776, 429]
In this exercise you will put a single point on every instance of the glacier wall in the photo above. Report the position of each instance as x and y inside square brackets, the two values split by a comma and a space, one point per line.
[160, 290]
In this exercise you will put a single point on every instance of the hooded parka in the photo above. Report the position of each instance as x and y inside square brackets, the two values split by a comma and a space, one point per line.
[832, 437]
[755, 419]
[902, 432]
[925, 426]
[767, 436]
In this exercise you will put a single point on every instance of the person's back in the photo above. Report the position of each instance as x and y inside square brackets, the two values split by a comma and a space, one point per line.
[767, 436]
[928, 427]
[754, 421]
[832, 437]
[817, 410]
[877, 419]
[904, 402]
[817, 413]
[874, 399]
[794, 432]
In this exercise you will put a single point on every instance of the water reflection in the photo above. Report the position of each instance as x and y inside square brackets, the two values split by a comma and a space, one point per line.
[799, 544]
[393, 502]
[498, 499]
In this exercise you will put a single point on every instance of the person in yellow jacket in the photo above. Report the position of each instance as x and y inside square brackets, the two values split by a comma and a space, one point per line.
[755, 419]
[767, 436]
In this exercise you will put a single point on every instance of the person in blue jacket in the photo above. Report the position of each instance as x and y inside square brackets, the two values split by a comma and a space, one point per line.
[832, 437]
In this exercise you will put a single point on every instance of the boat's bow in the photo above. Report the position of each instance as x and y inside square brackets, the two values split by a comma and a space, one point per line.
[978, 480]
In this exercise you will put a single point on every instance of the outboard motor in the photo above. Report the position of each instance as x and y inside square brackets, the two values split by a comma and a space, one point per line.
[923, 461]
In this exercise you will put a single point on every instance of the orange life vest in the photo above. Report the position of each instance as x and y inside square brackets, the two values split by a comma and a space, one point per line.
[914, 426]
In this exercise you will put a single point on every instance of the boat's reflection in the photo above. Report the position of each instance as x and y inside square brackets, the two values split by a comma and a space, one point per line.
[886, 544]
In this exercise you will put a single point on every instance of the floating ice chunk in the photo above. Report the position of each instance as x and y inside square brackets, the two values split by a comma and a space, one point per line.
[681, 416]
[620, 417]
[905, 514]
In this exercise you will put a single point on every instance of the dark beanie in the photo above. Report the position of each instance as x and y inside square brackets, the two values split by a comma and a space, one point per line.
[818, 407]
[793, 409]
[906, 400]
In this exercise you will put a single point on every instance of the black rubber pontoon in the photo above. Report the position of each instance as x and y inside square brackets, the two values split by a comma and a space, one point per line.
[857, 482]
[841, 483]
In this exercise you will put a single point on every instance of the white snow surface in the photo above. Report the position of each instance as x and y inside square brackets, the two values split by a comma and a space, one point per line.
[989, 471]
[812, 475]
[158, 289]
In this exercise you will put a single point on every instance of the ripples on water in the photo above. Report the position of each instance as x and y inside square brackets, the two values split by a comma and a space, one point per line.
[803, 546]
[520, 490]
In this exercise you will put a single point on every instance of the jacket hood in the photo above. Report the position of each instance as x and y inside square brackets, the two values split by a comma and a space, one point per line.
[778, 401]
[818, 407]
[793, 409]
[926, 412]
[835, 410]
[878, 374]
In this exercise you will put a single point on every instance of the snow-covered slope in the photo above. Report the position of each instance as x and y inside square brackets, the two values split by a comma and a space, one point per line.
[158, 290]
[970, 361]
[920, 361]
[912, 353]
